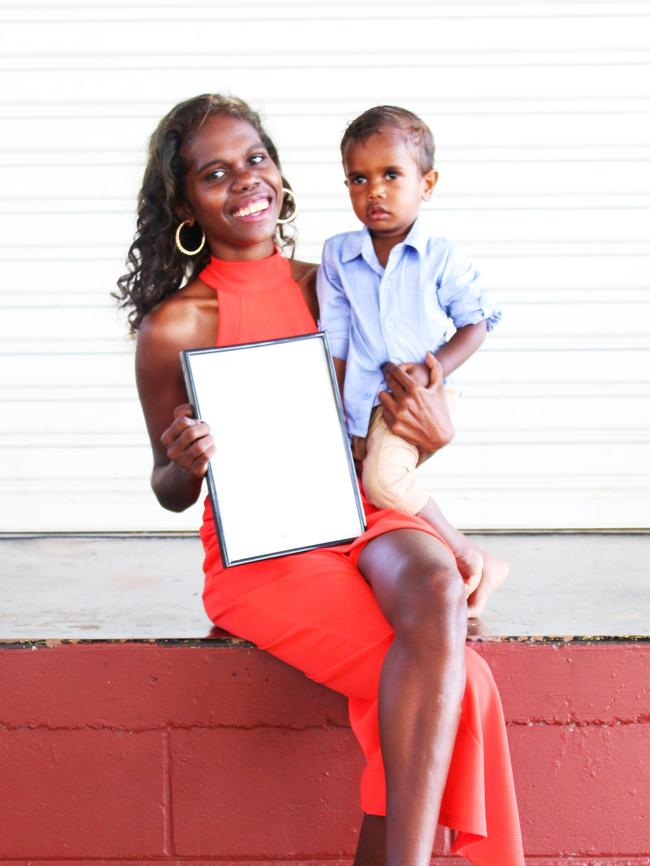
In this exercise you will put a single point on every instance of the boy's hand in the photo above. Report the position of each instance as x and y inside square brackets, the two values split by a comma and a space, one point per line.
[417, 412]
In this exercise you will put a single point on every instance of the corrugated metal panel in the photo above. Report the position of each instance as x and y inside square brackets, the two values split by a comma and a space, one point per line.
[540, 112]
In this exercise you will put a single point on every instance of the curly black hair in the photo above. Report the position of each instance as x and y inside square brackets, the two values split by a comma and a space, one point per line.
[157, 268]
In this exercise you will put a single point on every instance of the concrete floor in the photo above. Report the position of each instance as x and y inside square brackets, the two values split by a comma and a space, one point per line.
[149, 587]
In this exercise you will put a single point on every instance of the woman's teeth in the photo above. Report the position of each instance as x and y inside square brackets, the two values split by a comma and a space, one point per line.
[252, 208]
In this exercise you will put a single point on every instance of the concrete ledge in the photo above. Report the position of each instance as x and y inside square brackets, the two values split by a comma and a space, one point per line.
[563, 586]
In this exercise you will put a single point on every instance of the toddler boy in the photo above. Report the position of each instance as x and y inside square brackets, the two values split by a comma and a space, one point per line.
[389, 293]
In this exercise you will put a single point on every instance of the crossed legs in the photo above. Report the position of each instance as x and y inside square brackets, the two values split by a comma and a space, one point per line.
[394, 644]
[420, 592]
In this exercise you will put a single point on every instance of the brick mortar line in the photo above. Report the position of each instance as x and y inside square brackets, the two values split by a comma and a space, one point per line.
[145, 729]
[568, 641]
[167, 801]
[641, 719]
[534, 860]
[329, 726]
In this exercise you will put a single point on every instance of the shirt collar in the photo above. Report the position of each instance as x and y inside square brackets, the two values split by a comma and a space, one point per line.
[418, 237]
[356, 242]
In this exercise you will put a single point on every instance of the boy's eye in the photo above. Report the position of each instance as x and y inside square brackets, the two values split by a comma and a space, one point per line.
[357, 180]
[392, 175]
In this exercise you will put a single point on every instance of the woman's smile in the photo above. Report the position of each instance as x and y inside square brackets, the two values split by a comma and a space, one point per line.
[253, 209]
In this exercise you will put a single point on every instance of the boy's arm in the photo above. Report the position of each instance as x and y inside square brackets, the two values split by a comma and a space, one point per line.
[468, 305]
[461, 346]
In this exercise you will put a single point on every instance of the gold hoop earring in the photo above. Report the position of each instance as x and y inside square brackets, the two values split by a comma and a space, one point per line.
[291, 218]
[179, 245]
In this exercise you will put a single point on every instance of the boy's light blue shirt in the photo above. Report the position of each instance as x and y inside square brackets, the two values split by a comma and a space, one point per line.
[373, 315]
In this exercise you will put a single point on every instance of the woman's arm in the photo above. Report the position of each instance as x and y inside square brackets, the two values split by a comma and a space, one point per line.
[181, 445]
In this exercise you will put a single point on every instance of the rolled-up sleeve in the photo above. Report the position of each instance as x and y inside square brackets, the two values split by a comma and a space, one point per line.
[334, 307]
[461, 295]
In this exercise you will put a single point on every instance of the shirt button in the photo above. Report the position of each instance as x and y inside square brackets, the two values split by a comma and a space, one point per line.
[389, 326]
[387, 284]
[367, 395]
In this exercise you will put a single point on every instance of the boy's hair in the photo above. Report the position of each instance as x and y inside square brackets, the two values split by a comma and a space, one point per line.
[415, 132]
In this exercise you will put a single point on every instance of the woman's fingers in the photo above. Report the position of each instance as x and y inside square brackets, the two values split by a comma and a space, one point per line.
[199, 465]
[194, 454]
[184, 410]
[436, 377]
[188, 441]
[389, 407]
[191, 439]
[397, 379]
[183, 419]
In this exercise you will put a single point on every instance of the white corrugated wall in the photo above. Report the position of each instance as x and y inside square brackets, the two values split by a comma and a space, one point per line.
[541, 113]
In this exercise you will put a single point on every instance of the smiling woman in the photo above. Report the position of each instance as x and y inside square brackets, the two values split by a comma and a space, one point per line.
[158, 266]
[383, 619]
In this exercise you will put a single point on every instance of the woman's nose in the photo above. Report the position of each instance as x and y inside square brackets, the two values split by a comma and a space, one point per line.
[245, 178]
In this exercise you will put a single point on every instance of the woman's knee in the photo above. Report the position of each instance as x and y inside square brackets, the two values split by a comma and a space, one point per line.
[430, 608]
[418, 587]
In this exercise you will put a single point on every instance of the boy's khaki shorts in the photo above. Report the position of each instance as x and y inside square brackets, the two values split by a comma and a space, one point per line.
[388, 476]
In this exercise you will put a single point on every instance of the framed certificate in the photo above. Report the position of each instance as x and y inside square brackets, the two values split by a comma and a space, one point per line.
[282, 479]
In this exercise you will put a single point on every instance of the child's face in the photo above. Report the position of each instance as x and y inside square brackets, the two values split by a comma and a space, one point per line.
[385, 183]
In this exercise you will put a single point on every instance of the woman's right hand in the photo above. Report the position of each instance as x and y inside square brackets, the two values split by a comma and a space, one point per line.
[416, 411]
[188, 442]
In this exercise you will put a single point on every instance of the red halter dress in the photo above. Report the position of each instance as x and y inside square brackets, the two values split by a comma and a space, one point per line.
[315, 611]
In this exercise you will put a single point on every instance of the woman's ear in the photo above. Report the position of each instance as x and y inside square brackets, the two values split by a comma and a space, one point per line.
[184, 213]
[429, 180]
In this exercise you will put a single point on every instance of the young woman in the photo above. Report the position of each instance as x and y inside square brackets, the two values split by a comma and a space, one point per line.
[381, 620]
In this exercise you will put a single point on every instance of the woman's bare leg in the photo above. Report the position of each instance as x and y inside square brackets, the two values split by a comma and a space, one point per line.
[371, 850]
[420, 593]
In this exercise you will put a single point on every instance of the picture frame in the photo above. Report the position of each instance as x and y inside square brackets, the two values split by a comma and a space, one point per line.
[282, 479]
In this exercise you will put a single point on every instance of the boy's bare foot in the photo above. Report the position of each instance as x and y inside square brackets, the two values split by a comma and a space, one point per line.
[495, 572]
[470, 564]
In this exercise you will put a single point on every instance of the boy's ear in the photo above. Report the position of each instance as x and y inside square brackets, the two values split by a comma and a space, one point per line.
[429, 180]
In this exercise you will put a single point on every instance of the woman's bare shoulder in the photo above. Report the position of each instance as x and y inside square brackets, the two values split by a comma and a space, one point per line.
[304, 272]
[179, 321]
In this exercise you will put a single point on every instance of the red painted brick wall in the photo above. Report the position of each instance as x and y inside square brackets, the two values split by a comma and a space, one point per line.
[150, 753]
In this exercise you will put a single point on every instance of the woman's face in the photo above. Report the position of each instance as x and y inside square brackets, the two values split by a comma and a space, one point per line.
[233, 189]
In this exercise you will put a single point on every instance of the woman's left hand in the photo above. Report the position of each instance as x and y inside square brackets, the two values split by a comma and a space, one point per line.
[416, 411]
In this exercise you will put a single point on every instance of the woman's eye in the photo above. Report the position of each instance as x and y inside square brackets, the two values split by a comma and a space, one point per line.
[257, 158]
[217, 174]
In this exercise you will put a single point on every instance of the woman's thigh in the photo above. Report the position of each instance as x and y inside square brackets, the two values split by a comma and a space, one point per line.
[313, 611]
[317, 612]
